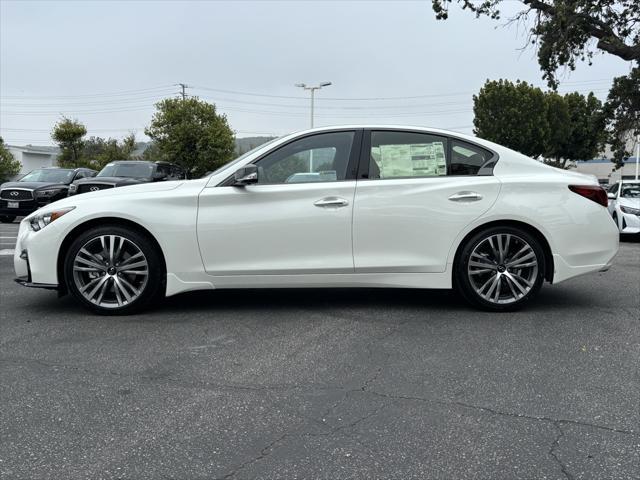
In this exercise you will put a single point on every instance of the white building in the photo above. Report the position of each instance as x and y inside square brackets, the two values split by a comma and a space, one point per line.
[605, 171]
[32, 157]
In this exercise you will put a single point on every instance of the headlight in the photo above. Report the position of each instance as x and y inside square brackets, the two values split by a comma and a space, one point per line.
[41, 220]
[48, 193]
[632, 211]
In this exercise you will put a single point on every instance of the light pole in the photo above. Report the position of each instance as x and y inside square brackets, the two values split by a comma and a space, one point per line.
[312, 89]
[637, 155]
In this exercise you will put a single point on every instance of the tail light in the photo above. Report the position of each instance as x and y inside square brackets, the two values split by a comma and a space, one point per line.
[594, 193]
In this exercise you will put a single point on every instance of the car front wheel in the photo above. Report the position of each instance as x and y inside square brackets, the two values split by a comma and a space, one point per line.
[500, 269]
[113, 270]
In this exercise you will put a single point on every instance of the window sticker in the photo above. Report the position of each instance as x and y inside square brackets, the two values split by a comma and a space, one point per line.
[410, 160]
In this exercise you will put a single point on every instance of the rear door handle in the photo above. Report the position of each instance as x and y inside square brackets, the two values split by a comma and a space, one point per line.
[335, 202]
[465, 196]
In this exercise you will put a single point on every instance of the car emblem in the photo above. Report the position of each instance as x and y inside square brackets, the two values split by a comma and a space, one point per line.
[94, 189]
[14, 194]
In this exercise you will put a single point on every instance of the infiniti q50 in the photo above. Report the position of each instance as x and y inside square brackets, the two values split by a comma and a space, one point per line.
[353, 206]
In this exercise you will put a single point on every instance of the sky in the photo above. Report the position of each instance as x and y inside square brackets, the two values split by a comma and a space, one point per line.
[106, 63]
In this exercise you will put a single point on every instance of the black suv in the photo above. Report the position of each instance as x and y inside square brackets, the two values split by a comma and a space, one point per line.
[128, 172]
[36, 189]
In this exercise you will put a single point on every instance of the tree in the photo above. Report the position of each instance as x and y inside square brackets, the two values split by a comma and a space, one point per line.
[559, 129]
[9, 166]
[566, 31]
[526, 119]
[98, 151]
[68, 135]
[192, 134]
[514, 115]
[622, 110]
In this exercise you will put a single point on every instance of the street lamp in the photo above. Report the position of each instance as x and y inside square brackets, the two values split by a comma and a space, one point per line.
[312, 89]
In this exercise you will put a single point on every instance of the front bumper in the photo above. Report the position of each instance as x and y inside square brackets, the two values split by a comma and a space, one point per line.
[23, 272]
[36, 255]
[25, 207]
[629, 223]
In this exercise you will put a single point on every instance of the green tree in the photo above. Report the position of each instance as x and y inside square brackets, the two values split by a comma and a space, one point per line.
[576, 128]
[559, 129]
[68, 134]
[98, 151]
[566, 31]
[622, 111]
[192, 134]
[533, 122]
[513, 115]
[9, 166]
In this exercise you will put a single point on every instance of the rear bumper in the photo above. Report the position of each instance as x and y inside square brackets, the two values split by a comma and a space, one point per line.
[564, 271]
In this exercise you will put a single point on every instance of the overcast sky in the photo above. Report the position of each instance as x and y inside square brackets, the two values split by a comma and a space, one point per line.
[107, 63]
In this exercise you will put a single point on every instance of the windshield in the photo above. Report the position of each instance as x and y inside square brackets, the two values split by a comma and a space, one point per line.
[49, 175]
[630, 190]
[242, 157]
[131, 170]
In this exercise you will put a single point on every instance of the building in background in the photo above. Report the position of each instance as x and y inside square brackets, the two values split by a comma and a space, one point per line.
[32, 157]
[605, 171]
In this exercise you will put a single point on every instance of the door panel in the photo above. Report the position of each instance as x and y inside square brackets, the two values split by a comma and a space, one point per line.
[409, 224]
[277, 229]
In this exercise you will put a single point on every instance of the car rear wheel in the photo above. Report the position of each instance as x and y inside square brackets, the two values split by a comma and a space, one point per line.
[114, 271]
[7, 218]
[500, 269]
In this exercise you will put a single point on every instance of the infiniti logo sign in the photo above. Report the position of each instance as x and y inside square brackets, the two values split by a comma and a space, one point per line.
[94, 189]
[14, 194]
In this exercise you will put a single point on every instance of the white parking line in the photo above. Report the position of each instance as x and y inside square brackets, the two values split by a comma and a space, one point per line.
[7, 252]
[9, 237]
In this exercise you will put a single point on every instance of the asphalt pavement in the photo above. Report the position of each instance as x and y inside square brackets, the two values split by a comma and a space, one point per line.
[325, 384]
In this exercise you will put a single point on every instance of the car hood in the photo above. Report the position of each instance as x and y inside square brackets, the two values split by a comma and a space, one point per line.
[33, 185]
[118, 181]
[630, 202]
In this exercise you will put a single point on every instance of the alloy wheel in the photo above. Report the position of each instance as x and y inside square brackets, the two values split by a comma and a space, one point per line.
[502, 268]
[110, 271]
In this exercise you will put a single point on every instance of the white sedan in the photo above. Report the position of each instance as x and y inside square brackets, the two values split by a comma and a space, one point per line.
[624, 205]
[353, 206]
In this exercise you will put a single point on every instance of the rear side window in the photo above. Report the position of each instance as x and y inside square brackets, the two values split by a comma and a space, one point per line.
[407, 154]
[468, 159]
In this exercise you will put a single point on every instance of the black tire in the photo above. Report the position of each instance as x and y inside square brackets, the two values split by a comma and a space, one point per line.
[462, 276]
[7, 218]
[154, 288]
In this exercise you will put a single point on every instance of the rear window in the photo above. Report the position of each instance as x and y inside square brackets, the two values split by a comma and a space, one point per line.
[468, 159]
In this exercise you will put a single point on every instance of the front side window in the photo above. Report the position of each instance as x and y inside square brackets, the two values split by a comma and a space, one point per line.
[614, 188]
[468, 159]
[317, 158]
[407, 154]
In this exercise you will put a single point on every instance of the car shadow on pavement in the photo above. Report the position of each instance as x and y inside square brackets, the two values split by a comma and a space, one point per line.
[306, 298]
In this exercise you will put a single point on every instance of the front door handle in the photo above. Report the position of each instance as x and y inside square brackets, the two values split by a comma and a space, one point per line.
[335, 202]
[465, 196]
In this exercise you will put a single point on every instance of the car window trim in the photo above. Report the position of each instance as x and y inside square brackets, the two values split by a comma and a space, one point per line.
[352, 164]
[365, 153]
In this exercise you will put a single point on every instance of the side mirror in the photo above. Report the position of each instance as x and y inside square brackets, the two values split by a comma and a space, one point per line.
[246, 176]
[611, 196]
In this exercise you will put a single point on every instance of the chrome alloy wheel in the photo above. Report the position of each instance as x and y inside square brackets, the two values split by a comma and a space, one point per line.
[110, 271]
[502, 268]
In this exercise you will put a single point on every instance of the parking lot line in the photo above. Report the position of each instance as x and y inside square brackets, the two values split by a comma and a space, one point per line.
[7, 252]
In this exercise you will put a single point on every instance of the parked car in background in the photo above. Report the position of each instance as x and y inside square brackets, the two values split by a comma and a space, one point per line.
[624, 205]
[36, 189]
[128, 172]
[390, 207]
